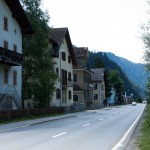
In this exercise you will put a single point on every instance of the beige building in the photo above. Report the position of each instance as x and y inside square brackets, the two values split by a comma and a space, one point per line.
[82, 79]
[63, 56]
[98, 87]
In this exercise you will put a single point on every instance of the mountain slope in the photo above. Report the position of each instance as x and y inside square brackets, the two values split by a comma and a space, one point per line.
[133, 74]
[135, 71]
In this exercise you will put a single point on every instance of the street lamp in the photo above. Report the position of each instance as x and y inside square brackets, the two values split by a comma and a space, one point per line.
[60, 74]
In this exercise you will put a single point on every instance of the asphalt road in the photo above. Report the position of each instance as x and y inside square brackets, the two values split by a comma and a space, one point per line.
[97, 130]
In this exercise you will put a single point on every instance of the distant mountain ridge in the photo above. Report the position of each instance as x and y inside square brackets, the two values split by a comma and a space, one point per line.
[135, 71]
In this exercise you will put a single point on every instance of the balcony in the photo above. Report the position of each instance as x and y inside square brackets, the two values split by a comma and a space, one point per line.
[10, 58]
[70, 83]
[67, 83]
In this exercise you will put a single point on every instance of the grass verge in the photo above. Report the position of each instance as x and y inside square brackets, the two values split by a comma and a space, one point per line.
[144, 139]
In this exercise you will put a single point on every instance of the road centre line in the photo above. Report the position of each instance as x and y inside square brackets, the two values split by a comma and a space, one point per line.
[101, 119]
[86, 124]
[55, 136]
[109, 116]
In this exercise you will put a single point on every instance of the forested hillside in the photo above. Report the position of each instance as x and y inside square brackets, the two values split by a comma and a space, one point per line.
[130, 87]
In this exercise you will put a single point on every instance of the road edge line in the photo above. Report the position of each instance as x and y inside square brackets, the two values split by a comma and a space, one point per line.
[128, 133]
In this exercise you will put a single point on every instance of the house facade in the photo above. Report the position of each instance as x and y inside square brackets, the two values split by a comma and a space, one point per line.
[63, 56]
[98, 87]
[13, 23]
[83, 90]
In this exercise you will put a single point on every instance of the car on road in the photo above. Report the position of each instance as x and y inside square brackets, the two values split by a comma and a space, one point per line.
[133, 103]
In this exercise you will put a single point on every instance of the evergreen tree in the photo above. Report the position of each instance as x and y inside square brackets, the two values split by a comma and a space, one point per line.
[38, 70]
[107, 84]
[98, 63]
[117, 83]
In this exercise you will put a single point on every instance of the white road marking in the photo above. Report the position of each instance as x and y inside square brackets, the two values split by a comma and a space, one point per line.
[86, 125]
[55, 136]
[14, 128]
[101, 119]
[120, 143]
[109, 116]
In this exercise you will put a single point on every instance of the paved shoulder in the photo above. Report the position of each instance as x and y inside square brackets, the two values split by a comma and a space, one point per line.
[11, 126]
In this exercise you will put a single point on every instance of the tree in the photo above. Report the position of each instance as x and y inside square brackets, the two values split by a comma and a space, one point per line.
[98, 63]
[113, 80]
[118, 85]
[38, 70]
[108, 85]
[146, 41]
[148, 90]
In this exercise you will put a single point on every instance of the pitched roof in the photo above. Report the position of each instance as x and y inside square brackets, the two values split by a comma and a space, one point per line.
[81, 52]
[19, 14]
[82, 56]
[98, 74]
[57, 35]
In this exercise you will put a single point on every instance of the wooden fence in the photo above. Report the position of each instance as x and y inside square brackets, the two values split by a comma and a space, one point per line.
[16, 114]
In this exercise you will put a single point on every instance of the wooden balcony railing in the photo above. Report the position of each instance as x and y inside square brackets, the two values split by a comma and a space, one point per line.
[10, 58]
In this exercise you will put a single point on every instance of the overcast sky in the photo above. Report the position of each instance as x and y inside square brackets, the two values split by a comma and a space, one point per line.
[102, 25]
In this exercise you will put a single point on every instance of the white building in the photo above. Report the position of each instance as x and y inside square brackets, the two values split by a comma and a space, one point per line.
[112, 99]
[63, 55]
[13, 23]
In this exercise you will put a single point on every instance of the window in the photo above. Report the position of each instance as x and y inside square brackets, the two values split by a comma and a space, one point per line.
[57, 93]
[75, 97]
[5, 76]
[95, 96]
[14, 77]
[69, 93]
[15, 48]
[69, 59]
[5, 45]
[69, 76]
[95, 86]
[87, 78]
[88, 93]
[78, 52]
[63, 56]
[5, 24]
[64, 77]
[75, 77]
[57, 71]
